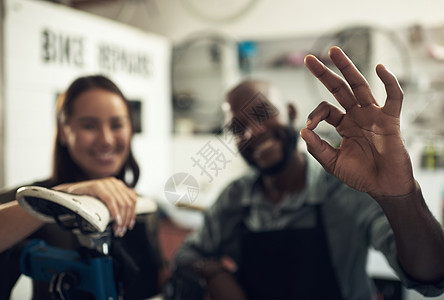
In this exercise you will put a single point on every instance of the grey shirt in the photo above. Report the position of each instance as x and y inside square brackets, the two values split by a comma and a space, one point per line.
[353, 220]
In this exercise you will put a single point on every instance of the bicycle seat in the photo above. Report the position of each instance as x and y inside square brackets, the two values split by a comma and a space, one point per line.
[72, 211]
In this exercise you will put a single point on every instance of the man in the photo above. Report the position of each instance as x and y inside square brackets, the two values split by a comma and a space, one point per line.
[295, 231]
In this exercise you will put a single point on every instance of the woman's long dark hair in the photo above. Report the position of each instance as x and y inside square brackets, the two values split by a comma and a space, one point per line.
[64, 169]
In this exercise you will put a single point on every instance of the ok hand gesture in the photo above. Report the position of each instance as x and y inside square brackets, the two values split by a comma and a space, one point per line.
[372, 157]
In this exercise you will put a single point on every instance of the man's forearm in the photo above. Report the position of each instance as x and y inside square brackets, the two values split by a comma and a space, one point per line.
[419, 237]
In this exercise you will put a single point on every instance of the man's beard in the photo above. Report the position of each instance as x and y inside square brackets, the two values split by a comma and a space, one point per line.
[289, 138]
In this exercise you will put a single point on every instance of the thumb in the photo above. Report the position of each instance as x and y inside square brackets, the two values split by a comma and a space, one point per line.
[319, 149]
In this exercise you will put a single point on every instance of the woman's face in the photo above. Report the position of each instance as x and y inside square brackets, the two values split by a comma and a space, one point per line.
[98, 133]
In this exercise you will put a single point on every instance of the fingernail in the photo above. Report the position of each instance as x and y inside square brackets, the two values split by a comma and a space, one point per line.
[119, 231]
[132, 223]
[308, 123]
[119, 220]
[123, 231]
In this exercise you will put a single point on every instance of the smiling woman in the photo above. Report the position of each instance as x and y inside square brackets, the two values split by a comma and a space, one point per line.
[94, 132]
[93, 156]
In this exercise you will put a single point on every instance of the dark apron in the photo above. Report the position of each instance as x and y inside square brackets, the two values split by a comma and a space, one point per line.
[288, 264]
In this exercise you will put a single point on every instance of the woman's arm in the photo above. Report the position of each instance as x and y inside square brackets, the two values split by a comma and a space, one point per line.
[15, 224]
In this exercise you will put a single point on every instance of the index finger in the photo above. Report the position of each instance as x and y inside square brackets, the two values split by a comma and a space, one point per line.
[332, 81]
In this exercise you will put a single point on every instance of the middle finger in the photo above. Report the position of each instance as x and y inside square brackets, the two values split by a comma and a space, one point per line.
[123, 201]
[355, 79]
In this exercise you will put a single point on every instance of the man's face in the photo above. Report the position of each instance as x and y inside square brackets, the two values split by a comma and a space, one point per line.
[263, 138]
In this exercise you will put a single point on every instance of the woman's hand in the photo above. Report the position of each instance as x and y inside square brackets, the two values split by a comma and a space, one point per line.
[120, 199]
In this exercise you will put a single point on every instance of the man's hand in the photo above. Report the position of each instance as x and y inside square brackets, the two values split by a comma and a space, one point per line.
[222, 284]
[372, 157]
